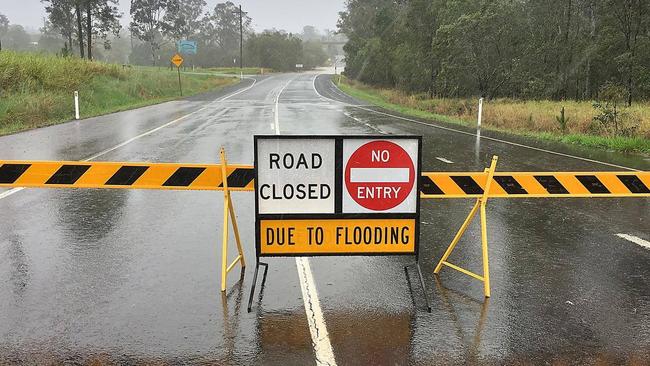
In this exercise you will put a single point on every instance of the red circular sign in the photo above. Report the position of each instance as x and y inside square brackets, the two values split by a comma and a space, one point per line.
[379, 175]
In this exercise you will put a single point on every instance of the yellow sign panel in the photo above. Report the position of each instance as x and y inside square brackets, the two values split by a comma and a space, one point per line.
[337, 236]
[177, 60]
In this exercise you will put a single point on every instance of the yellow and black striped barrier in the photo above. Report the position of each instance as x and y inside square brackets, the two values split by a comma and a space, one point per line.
[434, 185]
[536, 185]
[74, 174]
[77, 174]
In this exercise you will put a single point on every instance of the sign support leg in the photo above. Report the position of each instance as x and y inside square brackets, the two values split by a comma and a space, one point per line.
[228, 210]
[257, 267]
[478, 206]
[424, 287]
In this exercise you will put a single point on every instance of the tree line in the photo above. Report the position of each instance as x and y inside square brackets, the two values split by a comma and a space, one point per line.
[552, 49]
[91, 29]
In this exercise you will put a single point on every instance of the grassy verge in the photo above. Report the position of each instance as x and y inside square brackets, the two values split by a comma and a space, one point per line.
[527, 118]
[37, 90]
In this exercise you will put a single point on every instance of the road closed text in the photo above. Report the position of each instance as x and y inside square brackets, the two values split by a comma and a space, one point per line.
[337, 236]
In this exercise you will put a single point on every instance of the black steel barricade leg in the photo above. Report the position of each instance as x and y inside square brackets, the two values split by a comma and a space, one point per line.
[257, 267]
[424, 287]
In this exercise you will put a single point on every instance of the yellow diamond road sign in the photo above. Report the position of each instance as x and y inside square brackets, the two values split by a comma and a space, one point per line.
[177, 60]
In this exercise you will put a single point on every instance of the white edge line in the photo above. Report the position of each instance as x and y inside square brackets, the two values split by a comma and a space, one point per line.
[317, 327]
[319, 336]
[483, 137]
[635, 240]
[18, 189]
[444, 160]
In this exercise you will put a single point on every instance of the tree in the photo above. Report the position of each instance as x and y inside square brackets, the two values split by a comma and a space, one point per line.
[16, 38]
[50, 40]
[4, 24]
[219, 34]
[102, 19]
[61, 18]
[183, 18]
[555, 49]
[274, 49]
[313, 54]
[147, 23]
[630, 19]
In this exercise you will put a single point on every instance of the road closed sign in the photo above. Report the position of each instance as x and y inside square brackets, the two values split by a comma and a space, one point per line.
[337, 195]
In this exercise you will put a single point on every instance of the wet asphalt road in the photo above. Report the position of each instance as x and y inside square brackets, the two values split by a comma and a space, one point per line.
[130, 277]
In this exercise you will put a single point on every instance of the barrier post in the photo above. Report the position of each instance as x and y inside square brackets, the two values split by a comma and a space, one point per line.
[228, 210]
[479, 205]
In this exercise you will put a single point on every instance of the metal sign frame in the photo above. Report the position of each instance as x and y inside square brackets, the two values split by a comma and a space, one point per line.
[338, 193]
[338, 203]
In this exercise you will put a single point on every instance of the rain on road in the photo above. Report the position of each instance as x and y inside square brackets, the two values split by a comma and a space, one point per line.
[128, 276]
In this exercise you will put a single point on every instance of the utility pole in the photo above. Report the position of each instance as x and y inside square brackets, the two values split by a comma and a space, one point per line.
[241, 43]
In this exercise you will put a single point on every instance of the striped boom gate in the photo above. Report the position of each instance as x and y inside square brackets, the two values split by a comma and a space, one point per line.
[127, 175]
[434, 185]
[490, 184]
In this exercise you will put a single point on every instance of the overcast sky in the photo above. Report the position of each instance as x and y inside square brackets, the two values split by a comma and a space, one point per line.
[290, 15]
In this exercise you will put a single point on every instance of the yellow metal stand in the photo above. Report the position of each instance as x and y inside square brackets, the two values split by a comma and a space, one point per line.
[228, 210]
[479, 205]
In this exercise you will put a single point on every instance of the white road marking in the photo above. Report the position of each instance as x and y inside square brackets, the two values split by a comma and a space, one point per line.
[379, 175]
[319, 336]
[16, 190]
[635, 240]
[317, 327]
[277, 108]
[10, 192]
[444, 160]
[483, 137]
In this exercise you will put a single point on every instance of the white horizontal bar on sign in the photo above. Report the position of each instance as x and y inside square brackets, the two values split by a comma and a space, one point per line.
[379, 175]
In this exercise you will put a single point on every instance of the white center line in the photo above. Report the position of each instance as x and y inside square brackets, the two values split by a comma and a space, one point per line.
[319, 336]
[93, 157]
[317, 328]
[635, 240]
[444, 160]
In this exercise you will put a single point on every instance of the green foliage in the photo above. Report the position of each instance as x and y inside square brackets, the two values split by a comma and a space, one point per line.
[36, 90]
[274, 49]
[555, 49]
[562, 120]
[611, 119]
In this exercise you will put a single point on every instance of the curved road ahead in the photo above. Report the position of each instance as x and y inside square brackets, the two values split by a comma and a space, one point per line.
[126, 276]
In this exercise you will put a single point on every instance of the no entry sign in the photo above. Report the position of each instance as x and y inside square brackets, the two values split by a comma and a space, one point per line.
[380, 175]
[336, 195]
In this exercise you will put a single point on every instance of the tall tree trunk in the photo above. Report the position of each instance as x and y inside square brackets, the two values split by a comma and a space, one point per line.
[80, 36]
[89, 28]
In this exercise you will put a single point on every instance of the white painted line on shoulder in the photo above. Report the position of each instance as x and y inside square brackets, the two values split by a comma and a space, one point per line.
[93, 157]
[10, 192]
[635, 240]
[317, 328]
[444, 160]
[483, 137]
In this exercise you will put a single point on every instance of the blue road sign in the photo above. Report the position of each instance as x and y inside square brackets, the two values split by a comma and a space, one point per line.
[187, 47]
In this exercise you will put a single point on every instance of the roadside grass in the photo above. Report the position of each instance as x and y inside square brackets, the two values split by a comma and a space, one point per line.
[38, 90]
[535, 119]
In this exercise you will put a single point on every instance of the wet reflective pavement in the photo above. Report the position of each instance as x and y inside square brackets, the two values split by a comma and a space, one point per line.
[117, 276]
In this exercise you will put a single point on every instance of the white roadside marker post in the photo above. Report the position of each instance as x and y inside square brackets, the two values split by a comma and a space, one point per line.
[76, 104]
[480, 111]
